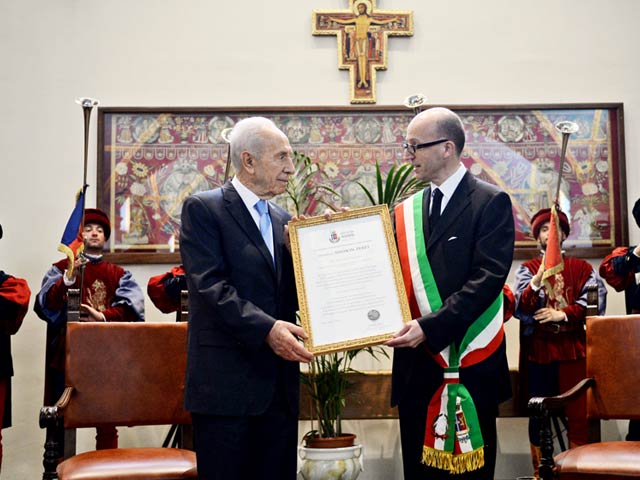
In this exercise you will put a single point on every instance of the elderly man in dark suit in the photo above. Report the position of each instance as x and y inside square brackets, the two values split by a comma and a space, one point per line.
[242, 383]
[450, 368]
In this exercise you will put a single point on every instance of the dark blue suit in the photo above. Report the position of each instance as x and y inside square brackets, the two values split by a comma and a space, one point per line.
[470, 251]
[234, 381]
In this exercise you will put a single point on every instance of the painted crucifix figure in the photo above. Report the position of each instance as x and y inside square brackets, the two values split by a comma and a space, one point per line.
[362, 33]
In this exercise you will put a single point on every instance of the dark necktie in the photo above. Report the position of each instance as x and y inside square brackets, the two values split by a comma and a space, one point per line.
[435, 208]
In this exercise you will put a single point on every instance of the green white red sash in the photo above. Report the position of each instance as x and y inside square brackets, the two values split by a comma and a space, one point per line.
[453, 440]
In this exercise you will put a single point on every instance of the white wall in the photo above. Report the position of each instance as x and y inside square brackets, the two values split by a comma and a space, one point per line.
[214, 53]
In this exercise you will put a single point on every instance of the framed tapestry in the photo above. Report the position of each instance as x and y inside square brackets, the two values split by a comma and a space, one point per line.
[151, 159]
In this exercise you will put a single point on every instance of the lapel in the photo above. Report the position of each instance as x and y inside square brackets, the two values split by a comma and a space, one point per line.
[459, 201]
[238, 212]
[278, 221]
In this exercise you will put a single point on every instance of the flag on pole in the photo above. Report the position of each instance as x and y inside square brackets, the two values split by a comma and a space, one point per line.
[71, 242]
[553, 261]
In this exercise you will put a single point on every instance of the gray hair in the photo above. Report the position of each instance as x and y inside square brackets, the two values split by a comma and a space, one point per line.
[245, 137]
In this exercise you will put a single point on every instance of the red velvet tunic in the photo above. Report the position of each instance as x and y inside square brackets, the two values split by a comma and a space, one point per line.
[619, 269]
[618, 280]
[14, 300]
[166, 301]
[14, 303]
[568, 344]
[101, 280]
[106, 287]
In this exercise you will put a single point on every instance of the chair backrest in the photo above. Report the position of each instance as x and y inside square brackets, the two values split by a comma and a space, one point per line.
[125, 374]
[613, 360]
[592, 299]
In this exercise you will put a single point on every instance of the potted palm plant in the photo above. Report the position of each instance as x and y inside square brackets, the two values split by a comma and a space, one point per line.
[307, 192]
[327, 382]
[328, 374]
[326, 446]
[398, 184]
[327, 379]
[328, 452]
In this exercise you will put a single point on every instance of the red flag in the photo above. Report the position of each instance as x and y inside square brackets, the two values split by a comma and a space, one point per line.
[553, 261]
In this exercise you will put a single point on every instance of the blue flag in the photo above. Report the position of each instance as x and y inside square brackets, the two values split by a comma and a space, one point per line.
[71, 241]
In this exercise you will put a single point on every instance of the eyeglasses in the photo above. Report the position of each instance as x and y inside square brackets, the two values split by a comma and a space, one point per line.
[411, 148]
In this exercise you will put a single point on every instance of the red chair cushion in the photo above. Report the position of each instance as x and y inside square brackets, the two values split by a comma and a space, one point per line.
[606, 460]
[130, 463]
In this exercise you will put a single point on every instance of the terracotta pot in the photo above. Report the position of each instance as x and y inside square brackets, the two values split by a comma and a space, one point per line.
[344, 440]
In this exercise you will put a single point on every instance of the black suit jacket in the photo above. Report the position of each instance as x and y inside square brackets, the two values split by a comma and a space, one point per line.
[235, 295]
[470, 252]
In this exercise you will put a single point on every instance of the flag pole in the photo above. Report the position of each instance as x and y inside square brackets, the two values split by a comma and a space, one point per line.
[225, 136]
[415, 102]
[553, 261]
[566, 128]
[87, 105]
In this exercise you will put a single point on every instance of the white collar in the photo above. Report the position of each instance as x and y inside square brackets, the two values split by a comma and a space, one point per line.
[248, 197]
[448, 187]
[93, 258]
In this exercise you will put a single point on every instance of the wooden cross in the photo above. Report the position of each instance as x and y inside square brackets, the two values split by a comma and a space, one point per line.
[362, 33]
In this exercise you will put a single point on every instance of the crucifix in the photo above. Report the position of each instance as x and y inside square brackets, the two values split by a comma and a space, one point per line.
[362, 32]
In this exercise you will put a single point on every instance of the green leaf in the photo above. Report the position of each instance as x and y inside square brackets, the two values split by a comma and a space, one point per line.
[393, 188]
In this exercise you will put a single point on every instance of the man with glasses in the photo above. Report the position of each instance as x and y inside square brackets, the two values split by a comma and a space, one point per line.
[450, 368]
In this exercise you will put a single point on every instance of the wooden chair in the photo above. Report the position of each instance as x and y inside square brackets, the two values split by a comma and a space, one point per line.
[120, 374]
[611, 386]
[559, 422]
[181, 436]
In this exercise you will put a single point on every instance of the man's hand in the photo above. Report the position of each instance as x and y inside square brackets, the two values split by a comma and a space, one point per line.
[327, 216]
[537, 278]
[93, 314]
[411, 335]
[636, 251]
[79, 262]
[545, 315]
[282, 340]
[328, 213]
[287, 238]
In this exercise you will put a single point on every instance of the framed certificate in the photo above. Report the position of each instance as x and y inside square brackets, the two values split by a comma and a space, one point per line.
[350, 288]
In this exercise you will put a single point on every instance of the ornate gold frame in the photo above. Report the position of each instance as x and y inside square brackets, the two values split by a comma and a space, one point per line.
[303, 300]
